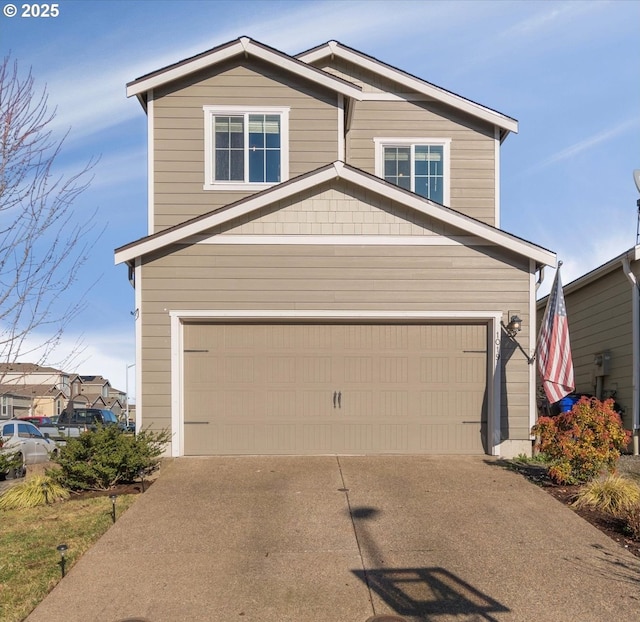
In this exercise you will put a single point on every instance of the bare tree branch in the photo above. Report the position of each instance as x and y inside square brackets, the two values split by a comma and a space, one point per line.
[43, 242]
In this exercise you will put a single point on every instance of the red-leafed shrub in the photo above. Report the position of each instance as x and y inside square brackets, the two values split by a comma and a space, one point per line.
[583, 443]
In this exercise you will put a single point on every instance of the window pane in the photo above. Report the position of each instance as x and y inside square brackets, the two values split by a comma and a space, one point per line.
[272, 131]
[273, 166]
[229, 143]
[435, 190]
[256, 165]
[236, 172]
[397, 166]
[422, 187]
[222, 165]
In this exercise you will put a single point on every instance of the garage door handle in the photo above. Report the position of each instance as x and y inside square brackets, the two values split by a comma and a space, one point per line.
[197, 422]
[339, 399]
[335, 396]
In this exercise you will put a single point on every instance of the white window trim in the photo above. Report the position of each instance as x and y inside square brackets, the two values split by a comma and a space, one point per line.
[382, 142]
[212, 111]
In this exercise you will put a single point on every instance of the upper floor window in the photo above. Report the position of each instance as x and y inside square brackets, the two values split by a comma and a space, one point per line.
[246, 148]
[420, 165]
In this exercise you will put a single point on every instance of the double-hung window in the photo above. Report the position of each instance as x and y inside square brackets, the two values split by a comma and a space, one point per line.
[246, 148]
[420, 165]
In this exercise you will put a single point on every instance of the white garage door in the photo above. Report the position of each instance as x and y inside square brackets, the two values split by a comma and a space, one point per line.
[334, 388]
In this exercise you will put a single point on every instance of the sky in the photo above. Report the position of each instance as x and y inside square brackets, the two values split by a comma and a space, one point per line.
[569, 72]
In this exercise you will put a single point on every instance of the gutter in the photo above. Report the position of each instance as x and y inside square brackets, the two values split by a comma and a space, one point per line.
[635, 332]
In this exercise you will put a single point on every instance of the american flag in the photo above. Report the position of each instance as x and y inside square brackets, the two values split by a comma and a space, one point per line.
[554, 350]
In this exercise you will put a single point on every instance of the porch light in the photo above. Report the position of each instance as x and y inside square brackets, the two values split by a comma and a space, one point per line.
[514, 326]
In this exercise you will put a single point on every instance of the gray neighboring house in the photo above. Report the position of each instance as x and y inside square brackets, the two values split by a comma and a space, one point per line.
[603, 311]
[324, 270]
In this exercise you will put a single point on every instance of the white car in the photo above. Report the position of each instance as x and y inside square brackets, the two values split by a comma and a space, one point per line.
[27, 441]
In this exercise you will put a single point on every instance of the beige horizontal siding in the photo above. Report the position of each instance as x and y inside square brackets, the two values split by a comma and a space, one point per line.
[599, 317]
[472, 164]
[216, 277]
[179, 132]
[367, 81]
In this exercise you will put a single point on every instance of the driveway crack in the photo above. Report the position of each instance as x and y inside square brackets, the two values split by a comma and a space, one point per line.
[355, 533]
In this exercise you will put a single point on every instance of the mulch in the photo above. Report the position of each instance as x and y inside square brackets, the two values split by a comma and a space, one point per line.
[607, 524]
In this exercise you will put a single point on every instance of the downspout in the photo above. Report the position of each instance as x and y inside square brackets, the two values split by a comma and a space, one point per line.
[635, 336]
[540, 278]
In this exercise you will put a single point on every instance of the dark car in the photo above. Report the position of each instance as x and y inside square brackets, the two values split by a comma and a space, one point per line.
[87, 417]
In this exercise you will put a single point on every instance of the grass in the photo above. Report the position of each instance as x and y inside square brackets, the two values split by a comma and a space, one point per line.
[29, 561]
[612, 494]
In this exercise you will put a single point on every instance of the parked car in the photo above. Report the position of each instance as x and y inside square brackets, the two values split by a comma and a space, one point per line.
[25, 439]
[72, 424]
[38, 420]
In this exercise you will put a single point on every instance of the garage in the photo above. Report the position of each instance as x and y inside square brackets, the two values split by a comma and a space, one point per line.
[334, 388]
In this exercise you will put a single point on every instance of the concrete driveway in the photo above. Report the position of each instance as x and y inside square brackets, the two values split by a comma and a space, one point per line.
[327, 539]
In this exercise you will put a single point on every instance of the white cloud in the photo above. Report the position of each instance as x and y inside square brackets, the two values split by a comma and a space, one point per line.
[586, 144]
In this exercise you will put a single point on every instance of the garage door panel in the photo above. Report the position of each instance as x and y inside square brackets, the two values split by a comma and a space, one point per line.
[301, 388]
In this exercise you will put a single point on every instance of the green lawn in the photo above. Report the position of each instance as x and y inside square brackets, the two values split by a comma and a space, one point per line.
[29, 561]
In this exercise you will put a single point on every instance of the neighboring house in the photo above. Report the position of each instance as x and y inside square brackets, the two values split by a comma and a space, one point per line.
[324, 271]
[38, 399]
[14, 404]
[603, 312]
[30, 374]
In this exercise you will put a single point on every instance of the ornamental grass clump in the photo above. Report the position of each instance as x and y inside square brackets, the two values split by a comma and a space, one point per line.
[33, 492]
[612, 494]
[582, 443]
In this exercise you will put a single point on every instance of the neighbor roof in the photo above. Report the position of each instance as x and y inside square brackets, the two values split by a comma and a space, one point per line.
[337, 170]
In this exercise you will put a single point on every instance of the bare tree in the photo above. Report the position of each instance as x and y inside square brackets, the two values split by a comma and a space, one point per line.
[42, 241]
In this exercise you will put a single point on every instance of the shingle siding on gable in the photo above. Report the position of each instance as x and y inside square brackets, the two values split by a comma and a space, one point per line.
[336, 210]
[179, 133]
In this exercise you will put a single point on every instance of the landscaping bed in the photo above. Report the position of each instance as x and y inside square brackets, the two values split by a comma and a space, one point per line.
[609, 525]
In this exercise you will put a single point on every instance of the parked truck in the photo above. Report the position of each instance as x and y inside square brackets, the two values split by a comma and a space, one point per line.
[73, 423]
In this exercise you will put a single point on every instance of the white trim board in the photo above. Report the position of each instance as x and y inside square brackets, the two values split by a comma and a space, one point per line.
[334, 48]
[178, 318]
[336, 170]
[341, 240]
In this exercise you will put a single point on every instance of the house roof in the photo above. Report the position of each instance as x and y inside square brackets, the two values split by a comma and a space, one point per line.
[246, 47]
[300, 66]
[633, 254]
[32, 390]
[182, 232]
[27, 368]
[337, 49]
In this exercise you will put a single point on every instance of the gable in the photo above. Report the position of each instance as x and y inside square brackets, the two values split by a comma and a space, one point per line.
[373, 186]
[336, 208]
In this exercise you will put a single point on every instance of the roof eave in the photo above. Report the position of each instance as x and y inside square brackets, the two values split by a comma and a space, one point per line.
[180, 233]
[334, 48]
[248, 47]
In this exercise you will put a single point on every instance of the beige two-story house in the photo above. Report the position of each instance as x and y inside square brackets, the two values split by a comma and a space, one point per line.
[324, 270]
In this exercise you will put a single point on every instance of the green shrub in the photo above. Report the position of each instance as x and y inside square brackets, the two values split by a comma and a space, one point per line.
[33, 492]
[611, 494]
[583, 443]
[102, 459]
[10, 461]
